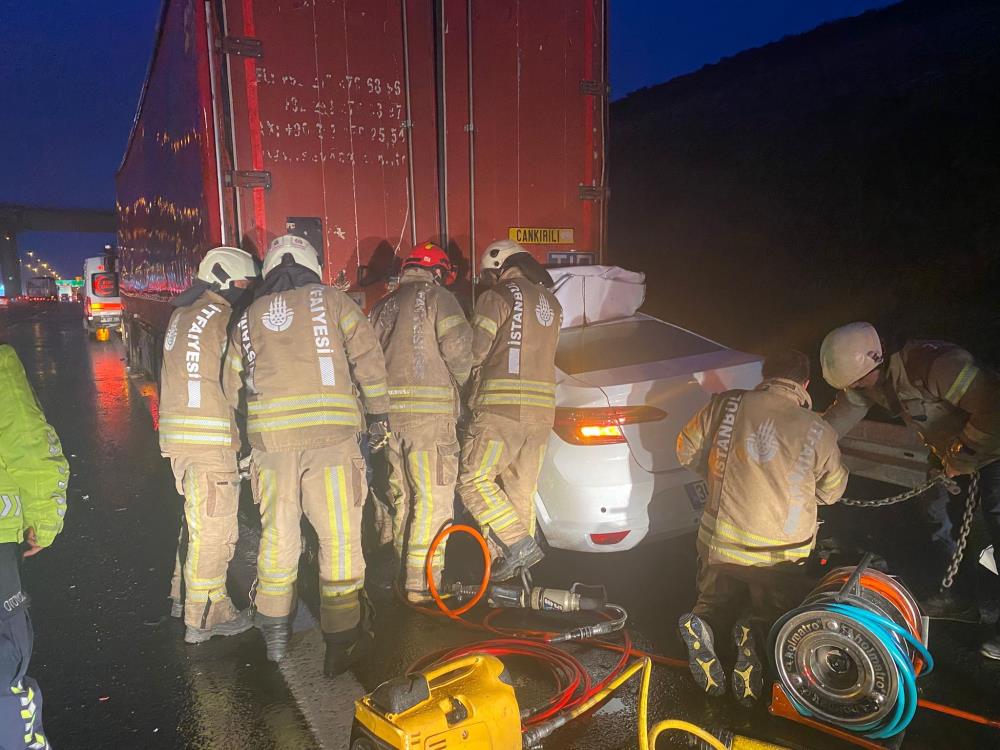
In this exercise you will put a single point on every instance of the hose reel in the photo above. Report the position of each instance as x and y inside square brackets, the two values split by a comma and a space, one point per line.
[850, 655]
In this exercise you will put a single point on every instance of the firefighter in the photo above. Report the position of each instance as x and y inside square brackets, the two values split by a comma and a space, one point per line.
[33, 480]
[427, 343]
[515, 332]
[768, 461]
[198, 433]
[307, 350]
[953, 402]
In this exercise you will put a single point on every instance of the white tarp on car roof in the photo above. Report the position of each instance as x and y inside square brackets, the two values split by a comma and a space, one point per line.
[590, 294]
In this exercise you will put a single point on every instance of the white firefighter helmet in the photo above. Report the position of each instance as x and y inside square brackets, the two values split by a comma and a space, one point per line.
[498, 253]
[224, 265]
[849, 353]
[301, 251]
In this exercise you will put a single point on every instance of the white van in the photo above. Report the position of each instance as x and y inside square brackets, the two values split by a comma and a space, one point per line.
[102, 307]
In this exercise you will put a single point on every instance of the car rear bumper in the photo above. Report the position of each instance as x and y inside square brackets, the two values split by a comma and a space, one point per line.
[602, 490]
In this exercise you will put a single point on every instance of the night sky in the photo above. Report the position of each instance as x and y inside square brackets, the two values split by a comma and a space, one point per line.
[72, 71]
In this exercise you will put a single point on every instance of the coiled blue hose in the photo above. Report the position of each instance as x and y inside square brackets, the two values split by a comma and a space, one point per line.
[883, 629]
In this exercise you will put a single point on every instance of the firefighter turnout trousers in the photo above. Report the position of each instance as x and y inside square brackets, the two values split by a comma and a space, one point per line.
[501, 459]
[210, 483]
[328, 485]
[20, 697]
[727, 593]
[423, 467]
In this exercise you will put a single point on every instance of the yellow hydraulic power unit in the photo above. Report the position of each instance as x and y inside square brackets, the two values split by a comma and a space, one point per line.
[465, 704]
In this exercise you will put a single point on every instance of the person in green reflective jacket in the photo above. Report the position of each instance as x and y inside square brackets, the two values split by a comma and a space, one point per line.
[33, 480]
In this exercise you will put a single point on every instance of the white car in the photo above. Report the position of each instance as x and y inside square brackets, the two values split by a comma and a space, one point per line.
[626, 385]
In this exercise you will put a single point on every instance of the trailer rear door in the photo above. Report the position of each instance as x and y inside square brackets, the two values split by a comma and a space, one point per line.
[348, 116]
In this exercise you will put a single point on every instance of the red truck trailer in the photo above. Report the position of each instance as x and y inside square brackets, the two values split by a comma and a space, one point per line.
[366, 126]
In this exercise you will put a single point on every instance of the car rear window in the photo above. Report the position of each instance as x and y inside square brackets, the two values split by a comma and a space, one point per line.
[104, 284]
[624, 343]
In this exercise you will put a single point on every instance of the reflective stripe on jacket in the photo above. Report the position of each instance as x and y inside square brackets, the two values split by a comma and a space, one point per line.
[309, 360]
[941, 391]
[194, 412]
[33, 472]
[768, 461]
[515, 334]
[427, 343]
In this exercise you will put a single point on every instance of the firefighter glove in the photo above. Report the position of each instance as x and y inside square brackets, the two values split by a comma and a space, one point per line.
[378, 431]
[960, 459]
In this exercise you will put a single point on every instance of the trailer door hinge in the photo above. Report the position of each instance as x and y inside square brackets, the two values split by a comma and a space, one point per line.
[593, 192]
[248, 178]
[241, 46]
[593, 88]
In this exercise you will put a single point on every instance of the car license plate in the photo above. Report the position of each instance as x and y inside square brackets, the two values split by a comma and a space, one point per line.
[697, 494]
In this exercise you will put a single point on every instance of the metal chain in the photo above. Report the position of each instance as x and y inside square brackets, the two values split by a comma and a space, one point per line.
[909, 494]
[971, 501]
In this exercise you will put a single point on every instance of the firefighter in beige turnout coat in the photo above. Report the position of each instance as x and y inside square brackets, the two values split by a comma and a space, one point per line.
[427, 343]
[953, 401]
[198, 434]
[515, 333]
[307, 351]
[769, 462]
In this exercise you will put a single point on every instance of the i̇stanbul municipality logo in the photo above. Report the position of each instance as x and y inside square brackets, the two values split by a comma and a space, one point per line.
[278, 316]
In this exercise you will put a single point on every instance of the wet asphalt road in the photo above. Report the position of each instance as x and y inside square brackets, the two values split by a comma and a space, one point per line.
[115, 672]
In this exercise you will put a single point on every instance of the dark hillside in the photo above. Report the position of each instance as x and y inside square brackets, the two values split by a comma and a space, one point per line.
[852, 172]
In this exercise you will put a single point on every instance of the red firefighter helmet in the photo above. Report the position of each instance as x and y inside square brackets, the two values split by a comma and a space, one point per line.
[432, 257]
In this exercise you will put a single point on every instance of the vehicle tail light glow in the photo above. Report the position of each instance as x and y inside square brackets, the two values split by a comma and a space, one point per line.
[611, 537]
[103, 306]
[599, 425]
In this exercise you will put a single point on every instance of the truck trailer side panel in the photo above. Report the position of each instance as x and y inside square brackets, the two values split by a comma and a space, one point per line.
[365, 126]
[167, 188]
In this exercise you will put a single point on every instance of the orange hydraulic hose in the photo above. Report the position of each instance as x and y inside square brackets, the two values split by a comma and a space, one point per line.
[483, 585]
[959, 713]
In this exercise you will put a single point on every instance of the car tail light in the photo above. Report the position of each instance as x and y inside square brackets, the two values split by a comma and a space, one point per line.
[103, 306]
[611, 537]
[600, 425]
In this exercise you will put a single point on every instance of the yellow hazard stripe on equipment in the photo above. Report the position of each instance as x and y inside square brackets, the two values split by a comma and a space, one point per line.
[487, 324]
[446, 324]
[291, 403]
[961, 384]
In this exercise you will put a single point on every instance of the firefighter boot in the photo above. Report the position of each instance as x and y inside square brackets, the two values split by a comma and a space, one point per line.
[748, 673]
[241, 623]
[522, 554]
[345, 649]
[277, 631]
[702, 660]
